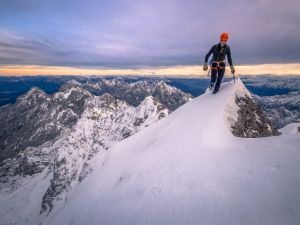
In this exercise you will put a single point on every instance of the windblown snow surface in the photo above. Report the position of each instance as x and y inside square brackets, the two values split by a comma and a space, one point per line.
[189, 169]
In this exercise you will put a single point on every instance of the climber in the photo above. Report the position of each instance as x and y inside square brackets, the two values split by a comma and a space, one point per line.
[218, 65]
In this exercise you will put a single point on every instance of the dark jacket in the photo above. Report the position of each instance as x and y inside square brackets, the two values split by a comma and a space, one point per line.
[219, 53]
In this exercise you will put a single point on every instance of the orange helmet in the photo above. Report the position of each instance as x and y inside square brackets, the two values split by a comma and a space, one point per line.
[224, 37]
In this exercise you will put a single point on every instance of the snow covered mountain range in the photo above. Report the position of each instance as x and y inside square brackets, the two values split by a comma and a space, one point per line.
[281, 109]
[122, 159]
[283, 92]
[52, 138]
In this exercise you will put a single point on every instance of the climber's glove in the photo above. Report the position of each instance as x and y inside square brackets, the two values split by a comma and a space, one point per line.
[232, 69]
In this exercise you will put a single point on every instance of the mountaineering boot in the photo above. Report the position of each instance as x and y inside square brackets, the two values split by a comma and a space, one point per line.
[211, 86]
[216, 88]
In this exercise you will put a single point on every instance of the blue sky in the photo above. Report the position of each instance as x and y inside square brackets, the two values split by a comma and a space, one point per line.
[138, 33]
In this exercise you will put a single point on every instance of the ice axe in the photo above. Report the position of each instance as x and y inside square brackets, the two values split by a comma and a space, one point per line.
[208, 73]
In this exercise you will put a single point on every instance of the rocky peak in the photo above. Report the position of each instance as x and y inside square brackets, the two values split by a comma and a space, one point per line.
[135, 93]
[36, 118]
[146, 86]
[34, 96]
[151, 101]
[72, 92]
[34, 91]
[111, 83]
[109, 101]
[150, 106]
[246, 117]
[161, 85]
[69, 84]
[169, 96]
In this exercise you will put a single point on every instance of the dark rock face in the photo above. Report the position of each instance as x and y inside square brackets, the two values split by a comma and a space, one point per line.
[58, 184]
[28, 168]
[252, 122]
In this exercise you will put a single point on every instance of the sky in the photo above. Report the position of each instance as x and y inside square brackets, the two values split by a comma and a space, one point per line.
[94, 36]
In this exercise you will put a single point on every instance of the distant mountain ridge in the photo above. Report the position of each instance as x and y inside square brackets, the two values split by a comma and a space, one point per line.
[53, 113]
[285, 89]
[281, 109]
[134, 93]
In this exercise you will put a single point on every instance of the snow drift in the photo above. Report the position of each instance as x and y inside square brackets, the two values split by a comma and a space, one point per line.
[190, 169]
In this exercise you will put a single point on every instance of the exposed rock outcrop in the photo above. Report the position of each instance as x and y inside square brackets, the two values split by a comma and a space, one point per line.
[247, 118]
[252, 122]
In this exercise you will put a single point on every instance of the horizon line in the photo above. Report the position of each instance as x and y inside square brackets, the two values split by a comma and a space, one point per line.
[282, 69]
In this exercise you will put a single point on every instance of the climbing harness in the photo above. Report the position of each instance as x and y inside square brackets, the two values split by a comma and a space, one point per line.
[217, 65]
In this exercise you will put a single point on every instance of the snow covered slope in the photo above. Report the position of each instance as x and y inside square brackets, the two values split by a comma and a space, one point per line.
[189, 168]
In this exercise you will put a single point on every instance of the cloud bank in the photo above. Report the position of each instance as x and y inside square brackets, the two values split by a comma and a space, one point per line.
[125, 34]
